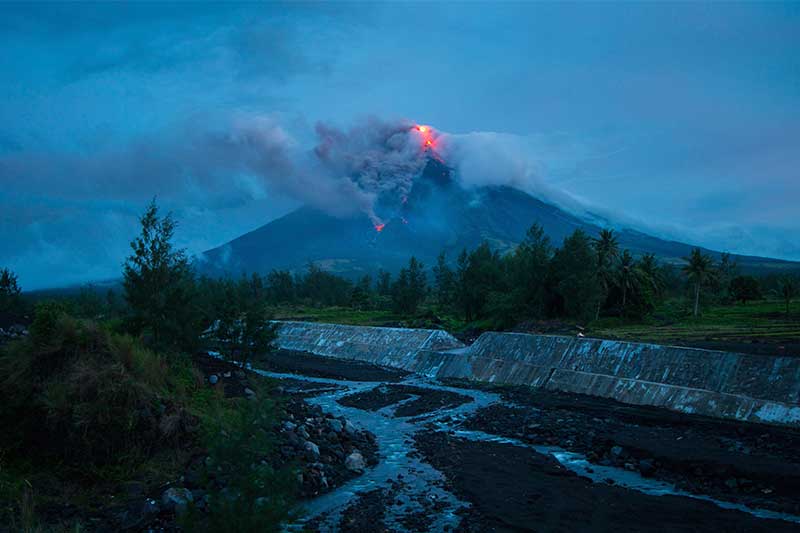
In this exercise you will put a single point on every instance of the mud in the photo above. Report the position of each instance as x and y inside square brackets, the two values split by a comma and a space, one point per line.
[292, 362]
[422, 400]
[512, 489]
[488, 458]
[757, 465]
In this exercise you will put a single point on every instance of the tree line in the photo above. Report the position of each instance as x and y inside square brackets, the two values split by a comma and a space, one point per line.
[583, 279]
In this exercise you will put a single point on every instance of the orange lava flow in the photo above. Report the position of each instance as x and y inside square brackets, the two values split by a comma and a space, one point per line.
[379, 227]
[427, 136]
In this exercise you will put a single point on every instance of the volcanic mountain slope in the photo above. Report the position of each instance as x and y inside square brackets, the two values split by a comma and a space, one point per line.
[438, 215]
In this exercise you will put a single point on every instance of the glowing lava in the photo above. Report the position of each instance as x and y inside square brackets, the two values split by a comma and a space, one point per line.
[428, 136]
[379, 227]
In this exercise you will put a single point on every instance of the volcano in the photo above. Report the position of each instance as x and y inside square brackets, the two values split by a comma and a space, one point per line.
[438, 215]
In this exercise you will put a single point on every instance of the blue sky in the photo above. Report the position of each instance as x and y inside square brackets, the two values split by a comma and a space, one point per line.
[683, 118]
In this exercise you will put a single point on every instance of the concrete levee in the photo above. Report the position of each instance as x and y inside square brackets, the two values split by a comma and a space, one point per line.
[720, 384]
[393, 347]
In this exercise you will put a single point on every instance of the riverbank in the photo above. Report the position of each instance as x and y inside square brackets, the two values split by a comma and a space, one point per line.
[493, 459]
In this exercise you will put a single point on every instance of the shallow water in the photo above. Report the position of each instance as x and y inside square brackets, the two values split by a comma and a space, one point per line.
[423, 482]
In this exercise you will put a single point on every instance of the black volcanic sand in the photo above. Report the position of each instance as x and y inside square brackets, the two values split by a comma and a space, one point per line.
[516, 489]
[425, 400]
[291, 362]
[753, 464]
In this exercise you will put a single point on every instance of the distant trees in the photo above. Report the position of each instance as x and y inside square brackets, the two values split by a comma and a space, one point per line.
[159, 283]
[243, 325]
[744, 289]
[444, 281]
[607, 249]
[699, 270]
[577, 281]
[409, 289]
[788, 289]
[9, 291]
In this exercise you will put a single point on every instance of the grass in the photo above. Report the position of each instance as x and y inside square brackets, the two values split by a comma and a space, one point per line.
[86, 410]
[338, 315]
[764, 320]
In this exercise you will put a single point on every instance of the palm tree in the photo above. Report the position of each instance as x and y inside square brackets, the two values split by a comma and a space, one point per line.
[628, 276]
[648, 266]
[607, 249]
[699, 269]
[787, 289]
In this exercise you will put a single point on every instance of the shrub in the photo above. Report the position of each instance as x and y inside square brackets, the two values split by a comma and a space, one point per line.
[75, 392]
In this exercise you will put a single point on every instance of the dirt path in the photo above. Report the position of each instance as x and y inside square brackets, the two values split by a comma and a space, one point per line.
[459, 457]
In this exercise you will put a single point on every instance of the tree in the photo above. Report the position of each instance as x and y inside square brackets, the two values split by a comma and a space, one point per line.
[788, 288]
[443, 278]
[726, 271]
[281, 286]
[384, 285]
[745, 288]
[574, 276]
[243, 329]
[528, 271]
[362, 292]
[159, 283]
[699, 270]
[408, 290]
[628, 276]
[607, 249]
[9, 291]
[480, 274]
[652, 275]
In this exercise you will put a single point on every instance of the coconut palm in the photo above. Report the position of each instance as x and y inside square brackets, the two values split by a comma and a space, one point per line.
[699, 269]
[628, 276]
[607, 249]
[651, 273]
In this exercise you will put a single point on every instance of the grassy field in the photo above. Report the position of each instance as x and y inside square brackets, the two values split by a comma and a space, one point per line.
[762, 322]
[758, 327]
[338, 315]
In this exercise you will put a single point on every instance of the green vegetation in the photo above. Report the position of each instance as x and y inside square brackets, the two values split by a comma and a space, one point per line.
[102, 393]
[673, 322]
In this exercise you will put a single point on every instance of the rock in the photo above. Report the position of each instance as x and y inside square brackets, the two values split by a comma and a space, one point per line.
[289, 426]
[240, 374]
[213, 379]
[176, 499]
[646, 467]
[355, 462]
[312, 450]
[335, 425]
[250, 393]
[226, 375]
[616, 451]
[138, 515]
[303, 432]
[349, 428]
[731, 483]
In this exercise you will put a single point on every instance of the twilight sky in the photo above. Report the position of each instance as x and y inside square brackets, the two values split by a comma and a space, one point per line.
[681, 118]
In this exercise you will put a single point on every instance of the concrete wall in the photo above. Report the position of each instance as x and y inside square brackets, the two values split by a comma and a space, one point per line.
[721, 384]
[394, 347]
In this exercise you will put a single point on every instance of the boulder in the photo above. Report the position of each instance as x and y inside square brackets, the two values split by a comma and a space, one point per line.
[311, 449]
[213, 379]
[335, 425]
[176, 499]
[355, 462]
